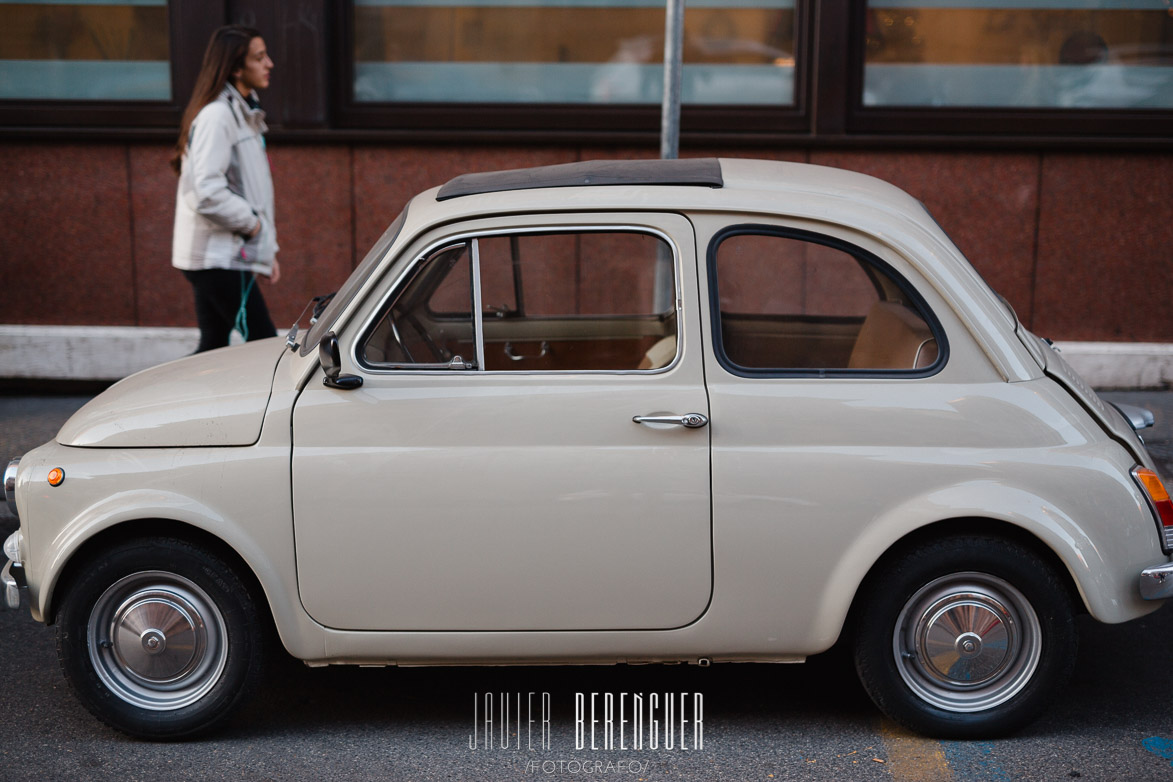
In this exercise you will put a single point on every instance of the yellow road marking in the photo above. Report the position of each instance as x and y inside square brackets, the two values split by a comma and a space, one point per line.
[912, 758]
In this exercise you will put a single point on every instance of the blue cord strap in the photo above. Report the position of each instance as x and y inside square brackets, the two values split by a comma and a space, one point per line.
[241, 324]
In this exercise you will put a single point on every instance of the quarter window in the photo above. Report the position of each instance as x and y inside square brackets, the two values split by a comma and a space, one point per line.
[811, 304]
[430, 323]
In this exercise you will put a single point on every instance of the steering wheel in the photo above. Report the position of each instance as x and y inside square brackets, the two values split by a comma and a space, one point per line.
[399, 339]
[440, 354]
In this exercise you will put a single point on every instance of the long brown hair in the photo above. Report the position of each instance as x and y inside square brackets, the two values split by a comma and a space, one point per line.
[225, 53]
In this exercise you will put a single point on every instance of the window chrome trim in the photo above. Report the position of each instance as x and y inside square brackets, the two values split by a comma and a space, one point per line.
[478, 315]
[465, 236]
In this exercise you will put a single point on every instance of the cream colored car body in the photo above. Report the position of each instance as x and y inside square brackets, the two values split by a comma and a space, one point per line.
[457, 517]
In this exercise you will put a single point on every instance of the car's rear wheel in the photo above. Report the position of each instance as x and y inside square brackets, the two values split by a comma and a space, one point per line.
[159, 638]
[964, 637]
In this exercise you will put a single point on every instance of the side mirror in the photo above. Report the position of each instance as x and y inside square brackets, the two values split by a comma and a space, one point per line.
[331, 358]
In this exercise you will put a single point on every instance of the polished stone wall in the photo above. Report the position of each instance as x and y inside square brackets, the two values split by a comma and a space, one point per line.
[1081, 243]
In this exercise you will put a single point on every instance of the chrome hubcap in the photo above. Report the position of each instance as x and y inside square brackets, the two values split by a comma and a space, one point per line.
[967, 642]
[965, 638]
[157, 640]
[158, 635]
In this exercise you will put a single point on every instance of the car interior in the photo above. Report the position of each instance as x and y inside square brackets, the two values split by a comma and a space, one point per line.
[601, 301]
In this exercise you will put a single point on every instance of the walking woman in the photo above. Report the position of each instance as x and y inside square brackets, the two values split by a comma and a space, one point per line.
[224, 231]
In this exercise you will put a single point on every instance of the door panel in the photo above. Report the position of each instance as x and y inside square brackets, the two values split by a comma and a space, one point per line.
[497, 500]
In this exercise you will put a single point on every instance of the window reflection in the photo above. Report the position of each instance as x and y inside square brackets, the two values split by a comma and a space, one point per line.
[1046, 53]
[570, 51]
[79, 50]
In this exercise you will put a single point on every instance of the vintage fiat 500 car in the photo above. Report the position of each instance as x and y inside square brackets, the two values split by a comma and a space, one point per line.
[680, 411]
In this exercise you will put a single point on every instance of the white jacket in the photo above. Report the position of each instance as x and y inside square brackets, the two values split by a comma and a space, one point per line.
[224, 187]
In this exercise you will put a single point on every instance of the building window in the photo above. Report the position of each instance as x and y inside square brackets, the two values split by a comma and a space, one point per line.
[85, 50]
[1024, 54]
[737, 52]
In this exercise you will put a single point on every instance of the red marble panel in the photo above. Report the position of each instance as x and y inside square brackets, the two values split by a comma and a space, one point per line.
[76, 219]
[1105, 269]
[163, 297]
[986, 201]
[65, 243]
[761, 275]
[386, 178]
[595, 152]
[312, 191]
[314, 226]
[749, 153]
[616, 153]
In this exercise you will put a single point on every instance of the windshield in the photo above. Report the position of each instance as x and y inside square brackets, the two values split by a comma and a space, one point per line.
[353, 284]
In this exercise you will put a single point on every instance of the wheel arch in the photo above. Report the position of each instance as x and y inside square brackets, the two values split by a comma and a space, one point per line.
[127, 597]
[860, 563]
[979, 597]
[1096, 539]
[967, 526]
[105, 539]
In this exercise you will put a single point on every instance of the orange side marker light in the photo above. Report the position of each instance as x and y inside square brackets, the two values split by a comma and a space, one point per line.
[1158, 495]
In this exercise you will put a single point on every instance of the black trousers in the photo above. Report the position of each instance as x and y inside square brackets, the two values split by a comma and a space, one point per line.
[217, 301]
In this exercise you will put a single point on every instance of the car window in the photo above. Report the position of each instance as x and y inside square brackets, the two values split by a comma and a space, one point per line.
[794, 301]
[601, 273]
[429, 324]
[574, 301]
[586, 300]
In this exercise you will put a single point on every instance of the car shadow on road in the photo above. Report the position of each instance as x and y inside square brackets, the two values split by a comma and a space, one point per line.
[297, 698]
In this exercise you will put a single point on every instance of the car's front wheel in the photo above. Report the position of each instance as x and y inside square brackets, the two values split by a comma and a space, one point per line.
[965, 637]
[159, 638]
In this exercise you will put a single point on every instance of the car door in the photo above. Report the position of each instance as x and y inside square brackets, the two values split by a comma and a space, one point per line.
[488, 474]
[842, 388]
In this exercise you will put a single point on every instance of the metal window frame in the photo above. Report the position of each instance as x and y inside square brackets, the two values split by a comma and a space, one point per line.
[311, 100]
[397, 286]
[863, 256]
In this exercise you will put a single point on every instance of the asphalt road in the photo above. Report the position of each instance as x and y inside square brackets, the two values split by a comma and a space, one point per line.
[760, 722]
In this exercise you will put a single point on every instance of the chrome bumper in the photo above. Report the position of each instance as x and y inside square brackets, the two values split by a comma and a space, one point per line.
[10, 485]
[1156, 583]
[13, 580]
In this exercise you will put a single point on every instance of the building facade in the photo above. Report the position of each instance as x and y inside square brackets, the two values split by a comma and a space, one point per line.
[1038, 132]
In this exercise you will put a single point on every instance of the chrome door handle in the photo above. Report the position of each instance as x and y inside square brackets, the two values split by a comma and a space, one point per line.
[690, 420]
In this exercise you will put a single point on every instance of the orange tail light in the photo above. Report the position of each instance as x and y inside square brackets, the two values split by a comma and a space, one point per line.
[1159, 497]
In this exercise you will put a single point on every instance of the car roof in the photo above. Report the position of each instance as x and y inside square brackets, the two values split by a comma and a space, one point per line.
[698, 172]
[725, 183]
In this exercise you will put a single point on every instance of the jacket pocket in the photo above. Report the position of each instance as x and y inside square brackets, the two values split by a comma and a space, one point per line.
[262, 248]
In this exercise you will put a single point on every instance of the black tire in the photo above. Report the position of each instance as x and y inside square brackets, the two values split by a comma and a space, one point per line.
[965, 637]
[159, 638]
